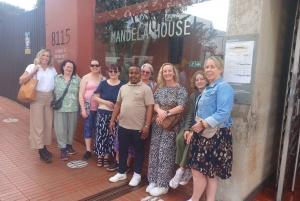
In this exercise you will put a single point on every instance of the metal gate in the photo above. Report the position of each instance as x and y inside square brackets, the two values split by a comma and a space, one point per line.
[290, 141]
[12, 42]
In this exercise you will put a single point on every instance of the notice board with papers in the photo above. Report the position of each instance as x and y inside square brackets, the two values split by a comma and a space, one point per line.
[239, 65]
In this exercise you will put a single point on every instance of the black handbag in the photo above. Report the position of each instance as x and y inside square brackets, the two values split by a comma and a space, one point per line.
[57, 104]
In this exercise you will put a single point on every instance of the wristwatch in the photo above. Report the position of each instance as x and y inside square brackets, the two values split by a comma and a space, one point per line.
[168, 112]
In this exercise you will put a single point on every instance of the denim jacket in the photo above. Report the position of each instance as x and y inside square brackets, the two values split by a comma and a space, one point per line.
[215, 104]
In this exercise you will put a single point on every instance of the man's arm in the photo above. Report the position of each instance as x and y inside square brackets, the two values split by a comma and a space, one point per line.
[114, 115]
[145, 129]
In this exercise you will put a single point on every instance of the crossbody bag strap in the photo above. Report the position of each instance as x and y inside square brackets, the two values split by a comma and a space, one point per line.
[102, 78]
[66, 90]
[170, 96]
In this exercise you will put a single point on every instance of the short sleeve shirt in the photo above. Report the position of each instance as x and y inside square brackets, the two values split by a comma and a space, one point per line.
[46, 78]
[134, 98]
[108, 92]
[70, 101]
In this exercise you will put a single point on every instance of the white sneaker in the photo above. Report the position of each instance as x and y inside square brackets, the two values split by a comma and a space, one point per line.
[117, 177]
[157, 191]
[187, 175]
[150, 187]
[136, 178]
[176, 179]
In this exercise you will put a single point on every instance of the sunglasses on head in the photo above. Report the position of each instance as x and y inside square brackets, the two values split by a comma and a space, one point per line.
[145, 72]
[95, 65]
[113, 71]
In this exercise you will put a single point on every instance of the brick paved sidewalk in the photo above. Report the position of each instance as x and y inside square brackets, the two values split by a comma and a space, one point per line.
[23, 176]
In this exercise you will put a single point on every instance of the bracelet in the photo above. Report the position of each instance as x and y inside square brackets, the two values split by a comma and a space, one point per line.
[146, 126]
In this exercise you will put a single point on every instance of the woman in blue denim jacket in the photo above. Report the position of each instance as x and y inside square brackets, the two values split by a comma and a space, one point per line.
[211, 141]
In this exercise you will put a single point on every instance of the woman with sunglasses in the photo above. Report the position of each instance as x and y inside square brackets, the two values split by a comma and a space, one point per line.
[147, 73]
[88, 105]
[106, 96]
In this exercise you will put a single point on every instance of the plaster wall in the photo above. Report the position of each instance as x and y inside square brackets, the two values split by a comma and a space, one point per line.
[256, 129]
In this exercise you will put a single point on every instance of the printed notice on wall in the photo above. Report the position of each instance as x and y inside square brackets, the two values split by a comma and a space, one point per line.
[238, 61]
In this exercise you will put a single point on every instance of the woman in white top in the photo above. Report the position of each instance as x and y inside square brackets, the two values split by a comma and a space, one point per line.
[41, 112]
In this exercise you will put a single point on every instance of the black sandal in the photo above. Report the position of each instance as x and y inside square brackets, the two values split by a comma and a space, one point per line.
[105, 162]
[99, 162]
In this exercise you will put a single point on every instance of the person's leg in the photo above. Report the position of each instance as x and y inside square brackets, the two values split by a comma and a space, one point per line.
[167, 151]
[48, 122]
[37, 127]
[124, 142]
[88, 127]
[129, 159]
[115, 165]
[72, 123]
[187, 175]
[153, 161]
[211, 188]
[199, 184]
[139, 148]
[180, 145]
[37, 123]
[48, 119]
[166, 157]
[88, 142]
[60, 127]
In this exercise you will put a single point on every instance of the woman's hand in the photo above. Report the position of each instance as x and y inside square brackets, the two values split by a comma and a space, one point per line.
[161, 113]
[186, 134]
[84, 113]
[159, 120]
[112, 127]
[110, 105]
[189, 137]
[197, 127]
[145, 132]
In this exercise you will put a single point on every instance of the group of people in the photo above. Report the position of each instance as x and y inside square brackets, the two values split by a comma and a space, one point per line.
[122, 115]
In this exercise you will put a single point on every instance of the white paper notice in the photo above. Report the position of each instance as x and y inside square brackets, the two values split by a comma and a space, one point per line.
[238, 61]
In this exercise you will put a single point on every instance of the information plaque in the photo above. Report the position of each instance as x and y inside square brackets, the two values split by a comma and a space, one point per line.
[239, 66]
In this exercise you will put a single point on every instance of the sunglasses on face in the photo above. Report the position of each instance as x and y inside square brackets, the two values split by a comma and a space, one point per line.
[95, 65]
[145, 72]
[113, 71]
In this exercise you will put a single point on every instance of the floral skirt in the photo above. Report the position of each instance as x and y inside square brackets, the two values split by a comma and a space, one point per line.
[212, 156]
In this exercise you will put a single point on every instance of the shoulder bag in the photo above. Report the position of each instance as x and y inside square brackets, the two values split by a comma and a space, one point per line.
[170, 121]
[27, 91]
[207, 132]
[57, 104]
[87, 103]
